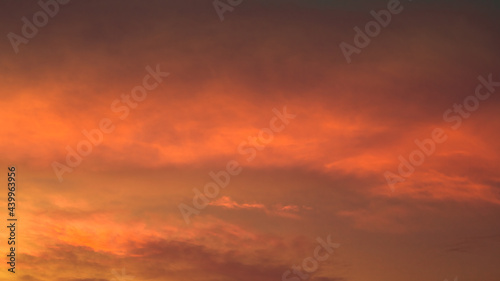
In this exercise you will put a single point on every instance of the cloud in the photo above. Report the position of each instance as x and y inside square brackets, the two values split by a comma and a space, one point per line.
[323, 173]
[290, 211]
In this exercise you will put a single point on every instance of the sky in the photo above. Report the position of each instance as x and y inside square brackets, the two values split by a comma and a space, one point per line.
[375, 162]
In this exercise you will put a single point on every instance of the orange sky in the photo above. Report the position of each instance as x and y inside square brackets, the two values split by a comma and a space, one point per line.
[322, 175]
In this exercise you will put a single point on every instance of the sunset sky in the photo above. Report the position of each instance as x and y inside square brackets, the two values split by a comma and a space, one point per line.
[116, 215]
